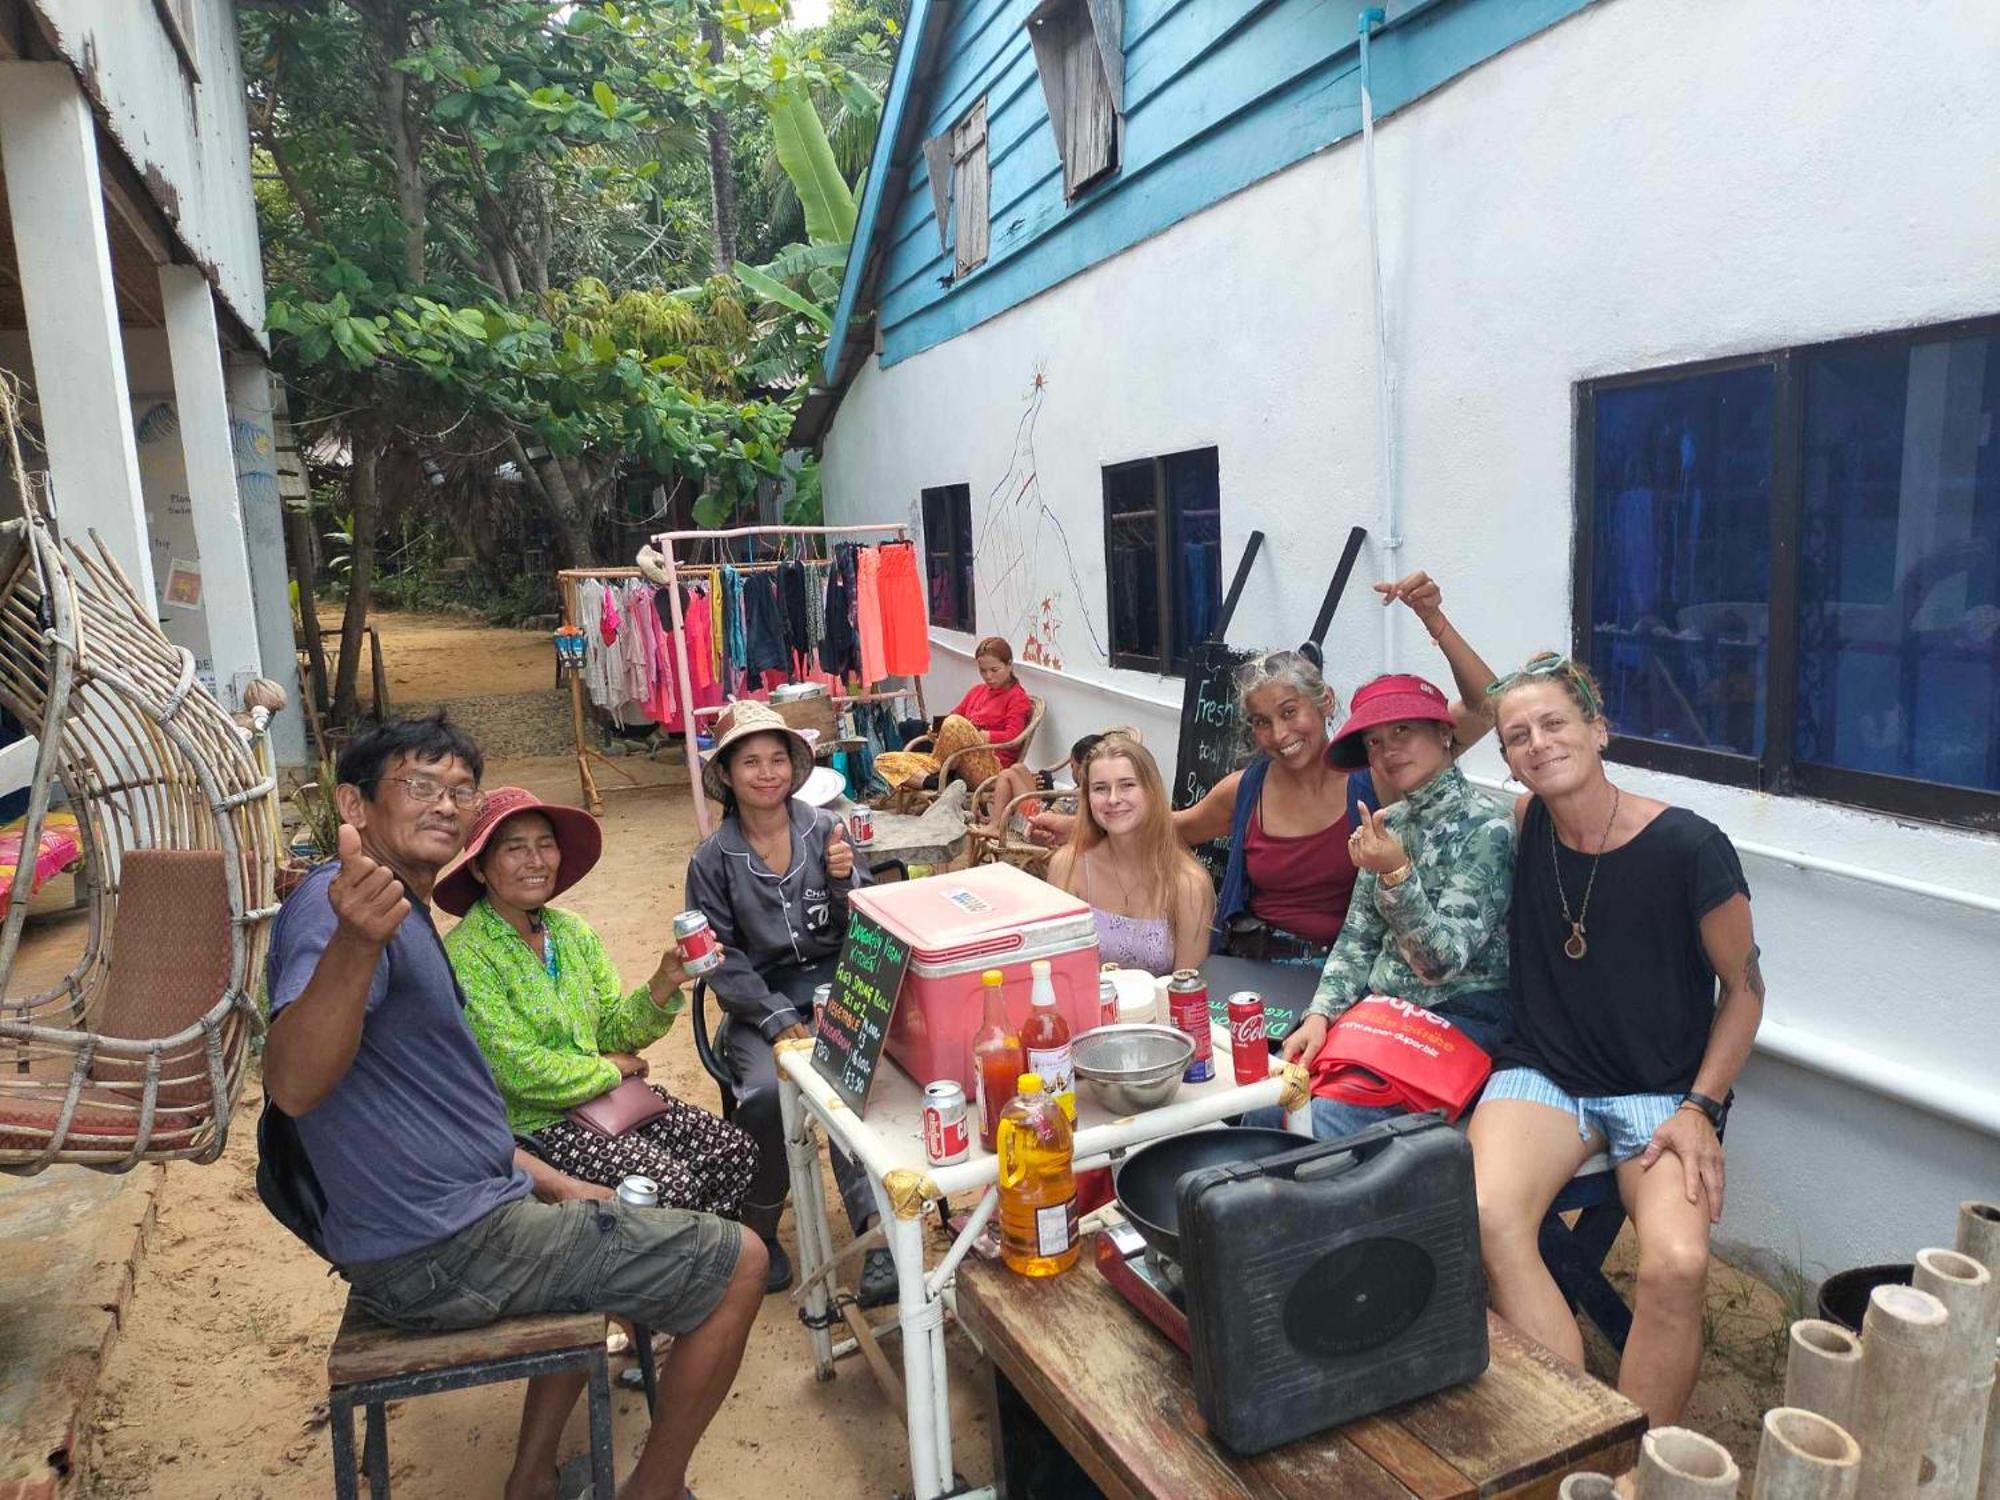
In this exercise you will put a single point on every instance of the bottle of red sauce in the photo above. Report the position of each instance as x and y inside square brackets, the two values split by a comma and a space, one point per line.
[997, 1058]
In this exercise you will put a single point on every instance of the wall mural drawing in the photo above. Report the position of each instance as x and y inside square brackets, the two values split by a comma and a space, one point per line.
[1015, 528]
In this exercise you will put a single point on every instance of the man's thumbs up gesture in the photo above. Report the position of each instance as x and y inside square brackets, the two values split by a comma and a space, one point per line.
[366, 896]
[839, 853]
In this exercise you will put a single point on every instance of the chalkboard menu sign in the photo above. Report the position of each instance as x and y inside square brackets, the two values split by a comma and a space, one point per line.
[1213, 739]
[855, 1023]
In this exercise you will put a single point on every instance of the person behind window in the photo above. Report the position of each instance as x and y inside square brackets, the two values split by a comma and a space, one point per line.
[993, 711]
[558, 1029]
[1627, 914]
[1428, 923]
[773, 881]
[1151, 901]
[1292, 813]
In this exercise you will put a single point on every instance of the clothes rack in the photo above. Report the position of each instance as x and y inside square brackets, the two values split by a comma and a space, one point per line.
[566, 581]
[665, 541]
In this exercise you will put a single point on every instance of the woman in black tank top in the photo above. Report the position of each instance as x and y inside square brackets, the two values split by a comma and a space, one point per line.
[1626, 914]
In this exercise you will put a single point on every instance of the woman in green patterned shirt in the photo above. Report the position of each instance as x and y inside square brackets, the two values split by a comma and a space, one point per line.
[555, 1024]
[1428, 922]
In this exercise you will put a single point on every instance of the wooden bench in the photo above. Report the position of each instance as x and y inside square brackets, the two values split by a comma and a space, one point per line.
[1088, 1399]
[372, 1364]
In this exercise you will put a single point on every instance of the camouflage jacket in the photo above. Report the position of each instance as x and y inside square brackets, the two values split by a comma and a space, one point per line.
[1443, 932]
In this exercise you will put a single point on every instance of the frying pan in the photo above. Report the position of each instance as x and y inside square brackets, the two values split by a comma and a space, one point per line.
[1145, 1181]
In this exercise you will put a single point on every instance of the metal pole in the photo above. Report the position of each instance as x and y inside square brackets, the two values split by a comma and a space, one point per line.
[1385, 410]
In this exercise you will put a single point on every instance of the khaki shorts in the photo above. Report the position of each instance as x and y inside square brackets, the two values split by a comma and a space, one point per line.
[664, 1268]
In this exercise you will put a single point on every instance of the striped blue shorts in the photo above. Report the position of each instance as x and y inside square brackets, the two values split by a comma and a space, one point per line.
[1626, 1122]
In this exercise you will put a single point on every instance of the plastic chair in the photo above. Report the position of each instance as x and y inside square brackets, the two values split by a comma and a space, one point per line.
[704, 1048]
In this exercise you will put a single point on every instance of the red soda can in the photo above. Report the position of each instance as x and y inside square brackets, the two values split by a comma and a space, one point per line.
[947, 1123]
[861, 826]
[700, 952]
[1246, 1037]
[1187, 1008]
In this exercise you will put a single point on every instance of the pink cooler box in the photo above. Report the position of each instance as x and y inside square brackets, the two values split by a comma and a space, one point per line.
[959, 925]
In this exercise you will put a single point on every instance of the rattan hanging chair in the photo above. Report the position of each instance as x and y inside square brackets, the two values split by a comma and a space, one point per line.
[136, 1052]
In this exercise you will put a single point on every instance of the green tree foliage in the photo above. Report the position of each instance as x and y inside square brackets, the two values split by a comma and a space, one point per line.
[473, 212]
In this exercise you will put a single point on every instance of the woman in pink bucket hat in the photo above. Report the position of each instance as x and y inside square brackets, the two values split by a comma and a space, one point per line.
[558, 1029]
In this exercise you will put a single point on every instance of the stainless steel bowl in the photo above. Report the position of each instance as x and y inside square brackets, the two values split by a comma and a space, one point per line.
[1133, 1067]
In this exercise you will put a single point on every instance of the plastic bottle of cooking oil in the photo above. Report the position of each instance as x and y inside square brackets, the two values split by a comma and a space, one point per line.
[1037, 1184]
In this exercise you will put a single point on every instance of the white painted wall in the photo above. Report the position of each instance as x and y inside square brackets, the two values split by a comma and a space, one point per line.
[1652, 181]
[189, 138]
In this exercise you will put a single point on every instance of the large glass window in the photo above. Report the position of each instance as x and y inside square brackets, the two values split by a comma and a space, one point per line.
[1789, 570]
[1899, 561]
[1682, 589]
[948, 555]
[1163, 557]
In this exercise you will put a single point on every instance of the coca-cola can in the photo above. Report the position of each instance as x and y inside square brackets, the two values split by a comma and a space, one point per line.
[821, 994]
[1187, 1008]
[1107, 1002]
[947, 1123]
[700, 951]
[861, 826]
[1247, 1044]
[640, 1192]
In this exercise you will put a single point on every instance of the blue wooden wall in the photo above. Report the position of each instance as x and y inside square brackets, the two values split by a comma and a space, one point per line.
[1218, 93]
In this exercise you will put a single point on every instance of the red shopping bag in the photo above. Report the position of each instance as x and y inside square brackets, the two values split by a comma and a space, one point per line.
[1392, 1053]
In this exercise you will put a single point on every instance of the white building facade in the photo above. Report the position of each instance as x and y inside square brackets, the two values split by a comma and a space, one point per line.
[132, 313]
[1647, 217]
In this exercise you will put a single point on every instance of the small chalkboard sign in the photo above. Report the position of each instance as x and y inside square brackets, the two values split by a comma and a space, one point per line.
[855, 1023]
[1213, 740]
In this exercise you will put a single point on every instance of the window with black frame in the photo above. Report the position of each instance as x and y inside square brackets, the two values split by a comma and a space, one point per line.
[1163, 557]
[948, 555]
[1789, 569]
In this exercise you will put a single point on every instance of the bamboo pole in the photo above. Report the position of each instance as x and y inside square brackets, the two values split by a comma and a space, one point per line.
[1678, 1464]
[1823, 1370]
[1979, 1237]
[1803, 1456]
[1902, 1344]
[1588, 1487]
[1965, 1370]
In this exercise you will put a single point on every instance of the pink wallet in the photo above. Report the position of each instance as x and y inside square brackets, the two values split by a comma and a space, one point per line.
[615, 1111]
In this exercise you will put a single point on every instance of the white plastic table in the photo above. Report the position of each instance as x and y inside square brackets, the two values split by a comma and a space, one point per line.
[889, 1143]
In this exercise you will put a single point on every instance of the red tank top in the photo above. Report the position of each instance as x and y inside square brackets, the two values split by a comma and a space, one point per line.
[1300, 884]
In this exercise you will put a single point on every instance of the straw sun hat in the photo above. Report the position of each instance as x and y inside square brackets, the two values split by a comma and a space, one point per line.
[745, 719]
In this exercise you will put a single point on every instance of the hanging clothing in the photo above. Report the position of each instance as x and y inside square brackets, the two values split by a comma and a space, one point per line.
[868, 616]
[792, 585]
[764, 625]
[816, 611]
[906, 638]
[839, 651]
[734, 649]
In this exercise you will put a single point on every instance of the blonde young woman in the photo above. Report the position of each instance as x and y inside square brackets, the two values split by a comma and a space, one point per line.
[1151, 901]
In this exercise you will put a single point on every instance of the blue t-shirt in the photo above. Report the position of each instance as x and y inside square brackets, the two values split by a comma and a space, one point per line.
[412, 1145]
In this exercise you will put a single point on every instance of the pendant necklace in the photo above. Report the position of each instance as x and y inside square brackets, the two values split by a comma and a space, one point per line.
[1576, 946]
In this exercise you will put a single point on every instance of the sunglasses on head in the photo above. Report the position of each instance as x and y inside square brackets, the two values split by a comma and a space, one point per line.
[1548, 666]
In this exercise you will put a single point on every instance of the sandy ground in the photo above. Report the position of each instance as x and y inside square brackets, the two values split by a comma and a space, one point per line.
[217, 1386]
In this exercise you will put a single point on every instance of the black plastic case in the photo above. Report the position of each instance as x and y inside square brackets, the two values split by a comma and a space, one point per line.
[1332, 1282]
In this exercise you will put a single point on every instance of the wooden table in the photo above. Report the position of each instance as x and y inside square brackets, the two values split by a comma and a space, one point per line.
[1076, 1368]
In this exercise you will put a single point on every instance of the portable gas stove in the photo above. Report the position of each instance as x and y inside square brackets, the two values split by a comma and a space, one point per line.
[1145, 1278]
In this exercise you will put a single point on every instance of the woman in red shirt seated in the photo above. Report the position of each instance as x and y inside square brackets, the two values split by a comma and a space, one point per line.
[994, 711]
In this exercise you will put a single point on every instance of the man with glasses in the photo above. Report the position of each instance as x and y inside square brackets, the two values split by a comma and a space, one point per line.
[432, 1213]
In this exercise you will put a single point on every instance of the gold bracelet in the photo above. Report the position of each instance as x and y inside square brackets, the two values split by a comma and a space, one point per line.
[1396, 876]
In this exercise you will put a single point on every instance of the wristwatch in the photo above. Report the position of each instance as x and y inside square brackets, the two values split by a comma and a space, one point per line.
[1396, 876]
[1712, 1109]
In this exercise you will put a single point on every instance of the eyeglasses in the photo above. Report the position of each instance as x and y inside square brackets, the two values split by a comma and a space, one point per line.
[1548, 666]
[423, 790]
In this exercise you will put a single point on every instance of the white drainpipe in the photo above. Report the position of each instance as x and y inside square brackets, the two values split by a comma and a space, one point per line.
[1390, 539]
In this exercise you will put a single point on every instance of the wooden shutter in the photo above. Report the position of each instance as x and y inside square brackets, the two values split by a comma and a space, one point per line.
[937, 163]
[1073, 47]
[969, 188]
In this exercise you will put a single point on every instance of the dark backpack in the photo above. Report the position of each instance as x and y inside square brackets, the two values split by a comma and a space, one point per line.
[286, 1180]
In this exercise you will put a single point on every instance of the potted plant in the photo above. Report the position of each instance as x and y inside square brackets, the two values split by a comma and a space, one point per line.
[317, 834]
